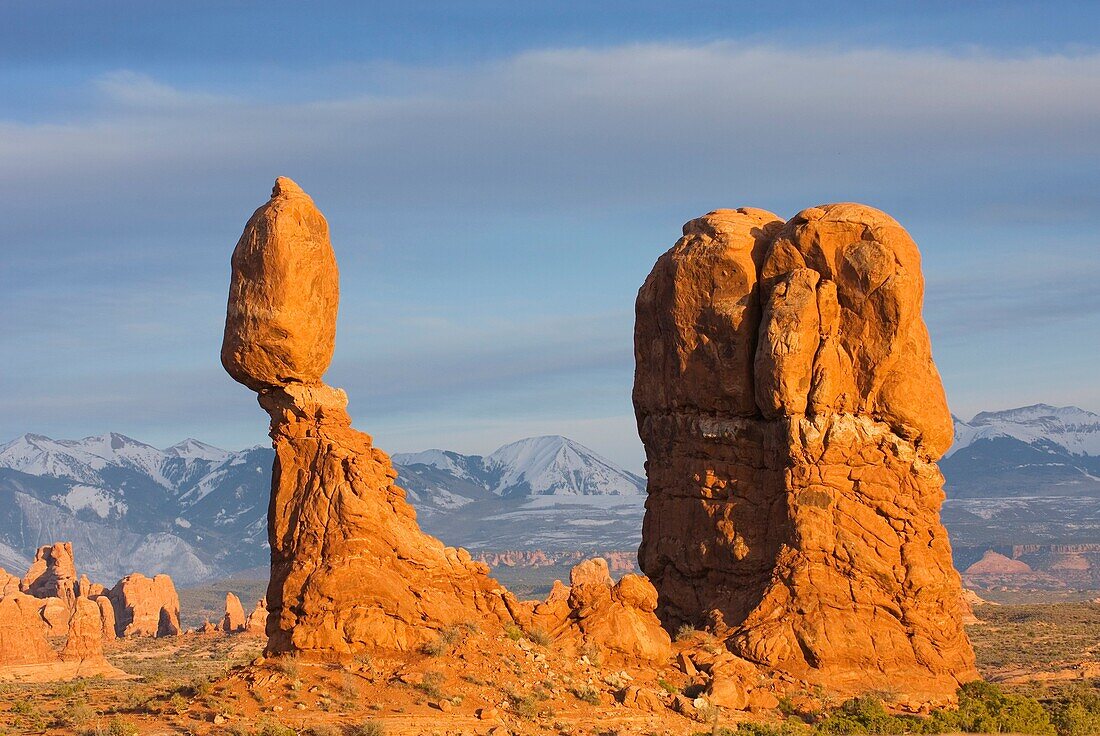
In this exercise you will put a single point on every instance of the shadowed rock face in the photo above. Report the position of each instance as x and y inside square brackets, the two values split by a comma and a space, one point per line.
[792, 417]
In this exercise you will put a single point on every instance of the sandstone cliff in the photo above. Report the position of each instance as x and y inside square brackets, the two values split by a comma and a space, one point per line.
[792, 418]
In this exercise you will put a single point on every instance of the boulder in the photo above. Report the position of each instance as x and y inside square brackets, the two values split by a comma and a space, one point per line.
[280, 324]
[145, 606]
[233, 620]
[350, 568]
[792, 418]
[52, 574]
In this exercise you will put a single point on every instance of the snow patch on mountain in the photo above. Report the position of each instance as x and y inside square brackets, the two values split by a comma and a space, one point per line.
[557, 466]
[100, 501]
[1067, 428]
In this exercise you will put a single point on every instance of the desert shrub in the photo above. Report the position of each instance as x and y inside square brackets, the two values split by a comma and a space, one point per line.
[275, 729]
[114, 727]
[321, 730]
[686, 631]
[586, 694]
[370, 728]
[984, 708]
[524, 706]
[867, 715]
[288, 665]
[431, 685]
[513, 632]
[667, 686]
[593, 653]
[1077, 713]
[539, 636]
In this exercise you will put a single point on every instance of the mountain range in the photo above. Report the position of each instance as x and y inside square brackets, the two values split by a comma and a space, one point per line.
[1023, 476]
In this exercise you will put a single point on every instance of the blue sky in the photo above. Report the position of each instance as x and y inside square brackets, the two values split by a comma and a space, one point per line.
[499, 178]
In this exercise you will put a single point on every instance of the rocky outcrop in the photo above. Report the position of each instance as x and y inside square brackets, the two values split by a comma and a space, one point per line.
[257, 620]
[53, 573]
[106, 617]
[22, 632]
[994, 563]
[8, 583]
[350, 568]
[145, 606]
[792, 418]
[84, 639]
[617, 561]
[596, 613]
[233, 620]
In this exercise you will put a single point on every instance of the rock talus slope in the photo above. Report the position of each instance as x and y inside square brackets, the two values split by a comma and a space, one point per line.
[350, 568]
[792, 418]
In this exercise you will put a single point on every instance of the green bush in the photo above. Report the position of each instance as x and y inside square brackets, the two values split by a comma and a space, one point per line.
[983, 708]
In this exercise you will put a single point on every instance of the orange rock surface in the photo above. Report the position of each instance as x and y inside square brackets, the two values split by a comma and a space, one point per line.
[233, 620]
[350, 568]
[792, 418]
[280, 325]
[22, 632]
[53, 573]
[145, 606]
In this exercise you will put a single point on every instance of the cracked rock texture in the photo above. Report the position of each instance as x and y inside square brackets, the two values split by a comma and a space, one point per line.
[350, 568]
[792, 418]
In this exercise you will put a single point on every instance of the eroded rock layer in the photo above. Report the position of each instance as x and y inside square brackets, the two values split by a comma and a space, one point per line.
[350, 568]
[792, 418]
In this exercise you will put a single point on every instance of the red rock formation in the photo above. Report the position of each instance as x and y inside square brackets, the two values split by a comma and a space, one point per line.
[233, 620]
[994, 563]
[55, 613]
[145, 607]
[52, 574]
[22, 632]
[792, 417]
[84, 640]
[350, 568]
[257, 620]
[593, 611]
[8, 583]
[106, 617]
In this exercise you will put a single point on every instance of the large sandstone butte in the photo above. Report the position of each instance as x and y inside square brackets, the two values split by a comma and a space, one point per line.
[145, 606]
[792, 418]
[350, 568]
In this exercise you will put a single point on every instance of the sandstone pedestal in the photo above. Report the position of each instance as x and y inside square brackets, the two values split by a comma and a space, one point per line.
[350, 568]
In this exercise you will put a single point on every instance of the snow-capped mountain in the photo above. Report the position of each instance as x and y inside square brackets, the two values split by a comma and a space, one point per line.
[1073, 430]
[536, 466]
[199, 512]
[1035, 450]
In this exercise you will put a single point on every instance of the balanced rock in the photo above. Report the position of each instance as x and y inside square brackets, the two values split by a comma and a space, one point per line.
[22, 632]
[53, 573]
[792, 418]
[280, 324]
[145, 606]
[233, 620]
[350, 568]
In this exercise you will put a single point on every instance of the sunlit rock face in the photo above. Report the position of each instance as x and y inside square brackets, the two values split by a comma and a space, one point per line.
[792, 418]
[350, 568]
